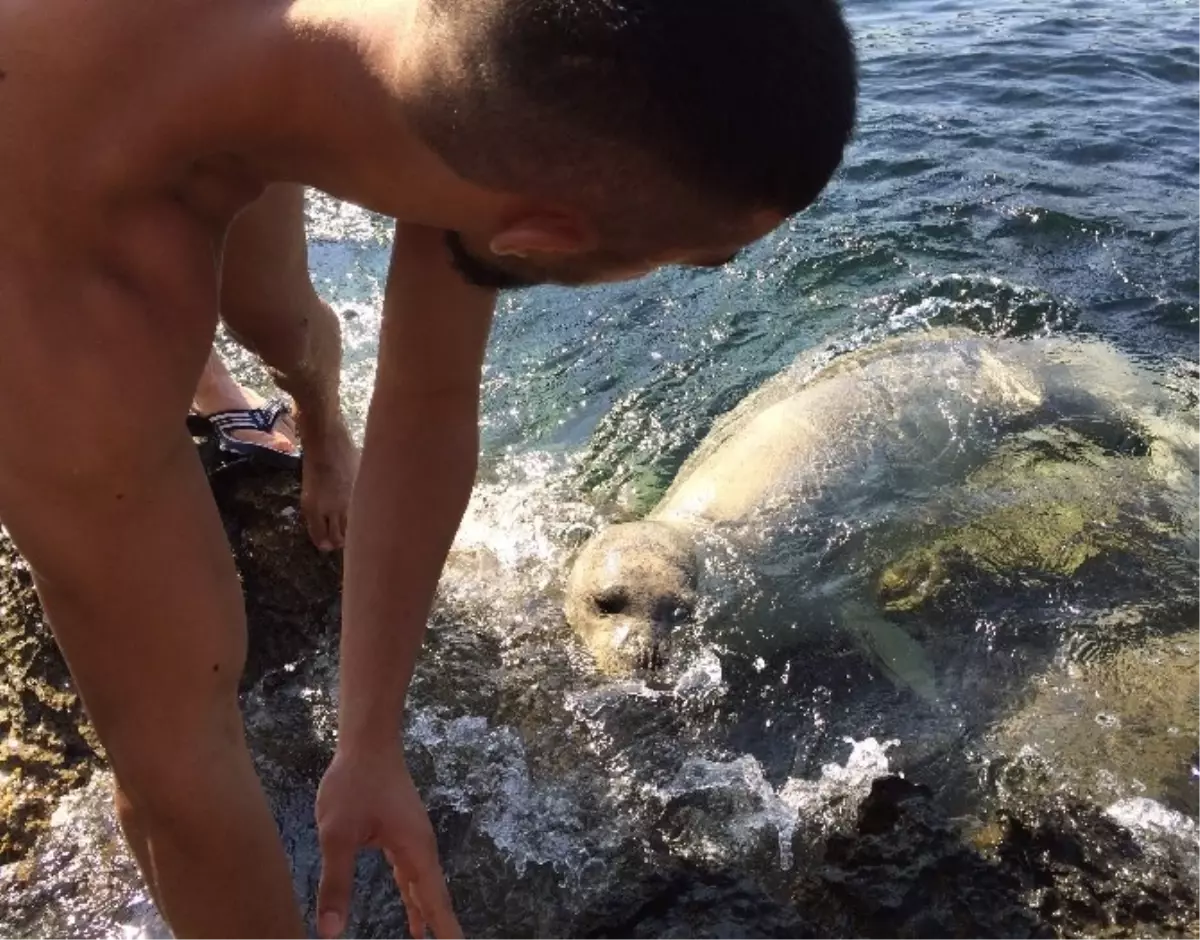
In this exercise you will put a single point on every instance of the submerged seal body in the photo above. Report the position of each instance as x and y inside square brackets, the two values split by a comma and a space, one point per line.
[817, 491]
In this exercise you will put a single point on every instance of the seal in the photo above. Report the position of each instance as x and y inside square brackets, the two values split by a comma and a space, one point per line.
[830, 492]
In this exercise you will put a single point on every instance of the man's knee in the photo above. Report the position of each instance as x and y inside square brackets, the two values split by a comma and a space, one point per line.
[172, 774]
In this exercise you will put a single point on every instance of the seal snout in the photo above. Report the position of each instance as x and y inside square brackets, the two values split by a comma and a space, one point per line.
[641, 628]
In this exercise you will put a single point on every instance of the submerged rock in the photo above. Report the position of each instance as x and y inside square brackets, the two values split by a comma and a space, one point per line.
[1107, 713]
[1048, 503]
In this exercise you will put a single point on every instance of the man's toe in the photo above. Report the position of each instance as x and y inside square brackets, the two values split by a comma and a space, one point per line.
[318, 530]
[337, 530]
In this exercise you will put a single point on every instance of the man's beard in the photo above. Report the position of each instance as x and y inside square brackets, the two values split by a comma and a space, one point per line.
[481, 273]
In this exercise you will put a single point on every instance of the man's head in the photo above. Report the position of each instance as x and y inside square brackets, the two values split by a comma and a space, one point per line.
[632, 133]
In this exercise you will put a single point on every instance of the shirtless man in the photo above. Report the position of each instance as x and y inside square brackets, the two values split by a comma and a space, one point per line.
[514, 142]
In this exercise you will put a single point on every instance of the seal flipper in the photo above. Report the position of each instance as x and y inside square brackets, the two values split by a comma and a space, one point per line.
[901, 658]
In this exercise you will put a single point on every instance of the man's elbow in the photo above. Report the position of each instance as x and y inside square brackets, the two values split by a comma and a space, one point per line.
[448, 410]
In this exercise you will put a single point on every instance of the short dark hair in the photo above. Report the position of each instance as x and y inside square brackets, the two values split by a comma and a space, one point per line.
[751, 102]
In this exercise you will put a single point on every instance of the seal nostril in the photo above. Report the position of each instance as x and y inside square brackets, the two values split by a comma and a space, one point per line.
[672, 611]
[612, 601]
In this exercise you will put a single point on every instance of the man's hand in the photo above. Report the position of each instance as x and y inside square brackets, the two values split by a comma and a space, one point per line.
[370, 801]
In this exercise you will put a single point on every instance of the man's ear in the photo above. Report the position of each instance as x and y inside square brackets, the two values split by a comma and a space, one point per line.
[544, 233]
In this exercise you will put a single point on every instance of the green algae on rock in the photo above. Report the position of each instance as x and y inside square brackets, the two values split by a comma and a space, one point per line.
[1051, 501]
[49, 746]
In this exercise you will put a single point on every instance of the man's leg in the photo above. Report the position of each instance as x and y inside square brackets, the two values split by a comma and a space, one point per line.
[268, 303]
[153, 629]
[220, 391]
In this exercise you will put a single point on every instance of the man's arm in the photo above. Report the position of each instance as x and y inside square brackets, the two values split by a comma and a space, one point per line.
[422, 443]
[418, 468]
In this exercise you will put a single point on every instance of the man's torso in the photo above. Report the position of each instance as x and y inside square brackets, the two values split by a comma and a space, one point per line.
[114, 190]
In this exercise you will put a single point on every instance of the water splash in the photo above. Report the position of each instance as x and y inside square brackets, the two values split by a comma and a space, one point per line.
[750, 806]
[81, 880]
[1164, 832]
[527, 515]
[482, 770]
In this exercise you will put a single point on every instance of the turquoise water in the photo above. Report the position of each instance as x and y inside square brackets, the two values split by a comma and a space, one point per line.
[1018, 166]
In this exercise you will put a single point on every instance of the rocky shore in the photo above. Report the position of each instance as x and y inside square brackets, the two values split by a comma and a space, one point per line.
[1041, 865]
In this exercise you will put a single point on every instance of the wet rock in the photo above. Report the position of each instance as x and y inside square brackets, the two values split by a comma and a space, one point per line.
[48, 747]
[459, 669]
[1045, 869]
[703, 904]
[904, 869]
[1088, 876]
[906, 872]
[292, 590]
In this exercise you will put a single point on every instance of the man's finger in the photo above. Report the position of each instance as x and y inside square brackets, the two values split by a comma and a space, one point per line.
[416, 923]
[433, 897]
[337, 875]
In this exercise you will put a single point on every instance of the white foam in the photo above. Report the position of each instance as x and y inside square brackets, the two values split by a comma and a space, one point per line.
[481, 769]
[1162, 831]
[759, 806]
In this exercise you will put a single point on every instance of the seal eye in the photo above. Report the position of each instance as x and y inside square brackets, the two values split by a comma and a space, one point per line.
[612, 601]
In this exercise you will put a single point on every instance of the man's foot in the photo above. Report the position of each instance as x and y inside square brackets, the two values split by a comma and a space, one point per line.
[330, 457]
[223, 428]
[327, 480]
[219, 391]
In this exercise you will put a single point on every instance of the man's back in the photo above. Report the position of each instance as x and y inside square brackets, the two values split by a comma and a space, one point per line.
[117, 181]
